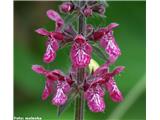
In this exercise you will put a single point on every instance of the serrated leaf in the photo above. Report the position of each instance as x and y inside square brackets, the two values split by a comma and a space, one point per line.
[71, 97]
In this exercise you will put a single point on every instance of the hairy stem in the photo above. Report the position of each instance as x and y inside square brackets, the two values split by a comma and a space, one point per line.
[79, 103]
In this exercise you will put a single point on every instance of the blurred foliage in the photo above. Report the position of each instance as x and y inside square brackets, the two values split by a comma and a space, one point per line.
[29, 48]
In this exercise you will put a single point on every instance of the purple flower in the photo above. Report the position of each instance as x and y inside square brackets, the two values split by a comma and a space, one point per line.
[60, 97]
[53, 77]
[113, 90]
[47, 89]
[53, 15]
[111, 86]
[103, 69]
[103, 73]
[107, 41]
[50, 78]
[94, 96]
[52, 44]
[80, 52]
[66, 7]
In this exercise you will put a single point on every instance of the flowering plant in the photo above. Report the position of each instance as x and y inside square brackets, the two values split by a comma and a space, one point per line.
[79, 84]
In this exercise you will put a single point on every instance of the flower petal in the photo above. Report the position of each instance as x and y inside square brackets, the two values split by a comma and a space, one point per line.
[60, 98]
[99, 33]
[96, 89]
[113, 90]
[53, 15]
[64, 85]
[117, 70]
[103, 31]
[57, 35]
[96, 103]
[42, 31]
[52, 47]
[48, 89]
[103, 69]
[53, 75]
[80, 52]
[111, 47]
[97, 81]
[111, 26]
[39, 69]
[49, 55]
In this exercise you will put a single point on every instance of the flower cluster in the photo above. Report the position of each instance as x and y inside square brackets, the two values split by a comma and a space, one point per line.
[88, 9]
[96, 83]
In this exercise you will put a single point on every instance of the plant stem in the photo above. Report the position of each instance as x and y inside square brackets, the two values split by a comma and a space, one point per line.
[79, 103]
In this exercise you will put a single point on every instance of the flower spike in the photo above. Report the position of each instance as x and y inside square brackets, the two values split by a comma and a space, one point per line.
[80, 79]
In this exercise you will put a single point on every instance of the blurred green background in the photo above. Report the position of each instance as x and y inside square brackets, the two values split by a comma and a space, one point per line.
[29, 48]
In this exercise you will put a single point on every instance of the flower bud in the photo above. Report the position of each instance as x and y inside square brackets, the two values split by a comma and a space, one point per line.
[99, 9]
[87, 11]
[89, 28]
[66, 7]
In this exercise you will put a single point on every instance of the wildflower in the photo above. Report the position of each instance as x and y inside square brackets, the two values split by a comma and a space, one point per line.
[80, 52]
[94, 96]
[111, 86]
[107, 41]
[50, 78]
[54, 77]
[79, 79]
[113, 90]
[54, 38]
[60, 97]
[110, 83]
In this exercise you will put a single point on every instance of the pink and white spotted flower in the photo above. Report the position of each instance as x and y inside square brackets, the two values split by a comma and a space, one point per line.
[54, 77]
[52, 44]
[94, 96]
[113, 90]
[50, 78]
[107, 41]
[103, 76]
[60, 97]
[80, 52]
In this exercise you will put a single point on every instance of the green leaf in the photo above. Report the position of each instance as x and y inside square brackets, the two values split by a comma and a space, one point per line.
[99, 52]
[70, 18]
[71, 97]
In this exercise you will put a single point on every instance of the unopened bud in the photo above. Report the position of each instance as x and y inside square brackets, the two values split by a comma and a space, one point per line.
[87, 11]
[66, 7]
[99, 9]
